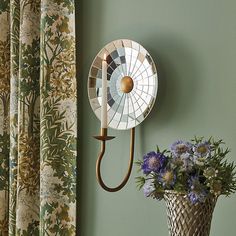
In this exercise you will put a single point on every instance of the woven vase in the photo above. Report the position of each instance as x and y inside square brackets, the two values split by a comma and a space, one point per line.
[187, 219]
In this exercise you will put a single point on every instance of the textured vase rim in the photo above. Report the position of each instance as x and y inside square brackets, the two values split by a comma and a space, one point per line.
[185, 194]
[175, 192]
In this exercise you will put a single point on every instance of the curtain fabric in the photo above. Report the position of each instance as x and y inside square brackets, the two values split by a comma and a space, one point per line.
[37, 118]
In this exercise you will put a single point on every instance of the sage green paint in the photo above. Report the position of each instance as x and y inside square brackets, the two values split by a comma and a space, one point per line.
[194, 46]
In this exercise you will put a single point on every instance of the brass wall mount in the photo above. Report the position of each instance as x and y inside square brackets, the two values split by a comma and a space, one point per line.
[126, 84]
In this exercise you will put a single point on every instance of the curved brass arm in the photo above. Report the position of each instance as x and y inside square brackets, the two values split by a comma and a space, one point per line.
[103, 138]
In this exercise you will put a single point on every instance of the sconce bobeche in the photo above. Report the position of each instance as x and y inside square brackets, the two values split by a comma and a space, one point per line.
[131, 84]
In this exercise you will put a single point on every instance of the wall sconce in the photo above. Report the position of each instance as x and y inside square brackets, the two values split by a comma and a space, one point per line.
[122, 88]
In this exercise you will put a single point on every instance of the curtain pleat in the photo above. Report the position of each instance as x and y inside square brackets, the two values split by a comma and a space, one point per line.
[28, 163]
[4, 111]
[58, 118]
[14, 75]
[38, 128]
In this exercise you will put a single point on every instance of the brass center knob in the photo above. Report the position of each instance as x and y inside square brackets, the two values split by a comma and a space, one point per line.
[126, 84]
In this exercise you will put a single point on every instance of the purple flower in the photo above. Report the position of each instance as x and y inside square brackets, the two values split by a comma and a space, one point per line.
[195, 197]
[187, 162]
[197, 192]
[148, 188]
[153, 162]
[180, 147]
[167, 178]
[202, 149]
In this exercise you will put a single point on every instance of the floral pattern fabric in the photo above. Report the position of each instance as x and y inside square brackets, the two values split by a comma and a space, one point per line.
[37, 118]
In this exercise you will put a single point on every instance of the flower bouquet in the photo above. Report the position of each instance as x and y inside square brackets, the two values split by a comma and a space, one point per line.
[190, 177]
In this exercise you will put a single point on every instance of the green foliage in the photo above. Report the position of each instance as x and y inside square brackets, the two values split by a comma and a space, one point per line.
[29, 84]
[58, 145]
[69, 4]
[4, 6]
[32, 229]
[4, 157]
[140, 181]
[57, 221]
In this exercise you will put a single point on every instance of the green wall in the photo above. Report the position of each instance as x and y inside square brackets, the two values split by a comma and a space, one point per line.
[193, 43]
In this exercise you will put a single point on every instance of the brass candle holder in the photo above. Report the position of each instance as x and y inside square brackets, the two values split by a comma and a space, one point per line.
[103, 138]
[131, 83]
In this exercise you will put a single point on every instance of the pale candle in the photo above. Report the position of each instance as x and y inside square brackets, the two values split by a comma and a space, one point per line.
[104, 94]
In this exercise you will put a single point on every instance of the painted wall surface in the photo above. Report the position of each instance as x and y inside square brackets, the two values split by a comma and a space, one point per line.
[194, 46]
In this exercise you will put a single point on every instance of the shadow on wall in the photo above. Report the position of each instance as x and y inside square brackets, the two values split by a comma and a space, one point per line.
[177, 92]
[79, 104]
[84, 189]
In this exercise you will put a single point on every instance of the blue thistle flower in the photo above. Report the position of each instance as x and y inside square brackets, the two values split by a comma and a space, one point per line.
[202, 149]
[197, 197]
[198, 192]
[153, 162]
[167, 178]
[180, 147]
[187, 162]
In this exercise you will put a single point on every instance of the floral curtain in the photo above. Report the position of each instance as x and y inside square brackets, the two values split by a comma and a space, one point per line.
[37, 118]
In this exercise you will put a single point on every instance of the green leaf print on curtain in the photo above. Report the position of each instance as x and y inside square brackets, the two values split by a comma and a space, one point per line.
[4, 113]
[37, 118]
